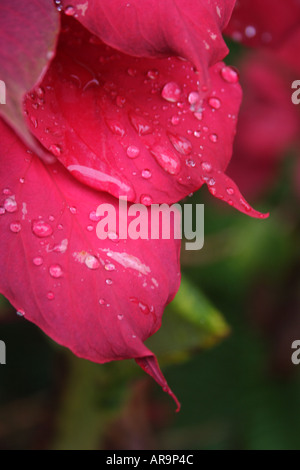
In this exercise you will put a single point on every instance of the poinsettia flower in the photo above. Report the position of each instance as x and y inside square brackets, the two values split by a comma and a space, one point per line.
[266, 24]
[100, 298]
[140, 126]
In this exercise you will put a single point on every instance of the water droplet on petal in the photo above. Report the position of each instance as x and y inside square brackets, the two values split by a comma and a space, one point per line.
[146, 200]
[132, 151]
[152, 74]
[206, 166]
[55, 149]
[108, 282]
[73, 210]
[115, 127]
[21, 313]
[41, 229]
[167, 159]
[213, 138]
[214, 103]
[180, 143]
[120, 317]
[50, 296]
[102, 302]
[109, 267]
[69, 10]
[146, 174]
[92, 262]
[230, 191]
[55, 271]
[38, 261]
[175, 120]
[2, 210]
[140, 124]
[171, 92]
[194, 97]
[94, 217]
[10, 204]
[229, 74]
[15, 227]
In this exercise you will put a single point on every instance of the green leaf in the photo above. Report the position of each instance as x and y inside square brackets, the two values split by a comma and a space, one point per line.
[190, 323]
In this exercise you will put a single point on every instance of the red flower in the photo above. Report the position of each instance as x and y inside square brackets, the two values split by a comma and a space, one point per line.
[268, 23]
[269, 121]
[150, 128]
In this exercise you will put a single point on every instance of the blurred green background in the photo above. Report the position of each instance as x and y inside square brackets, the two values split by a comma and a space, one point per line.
[224, 347]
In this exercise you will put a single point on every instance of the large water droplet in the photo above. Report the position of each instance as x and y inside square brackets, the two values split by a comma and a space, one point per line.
[171, 92]
[132, 151]
[140, 124]
[15, 227]
[214, 103]
[229, 74]
[55, 271]
[10, 204]
[92, 262]
[167, 159]
[180, 143]
[55, 149]
[41, 229]
[69, 10]
[115, 127]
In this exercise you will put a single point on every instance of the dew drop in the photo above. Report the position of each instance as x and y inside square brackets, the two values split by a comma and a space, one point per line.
[194, 97]
[206, 166]
[94, 217]
[108, 282]
[50, 296]
[171, 92]
[21, 313]
[15, 227]
[230, 191]
[2, 210]
[41, 229]
[180, 143]
[73, 210]
[146, 200]
[55, 149]
[175, 120]
[213, 138]
[38, 261]
[115, 127]
[214, 103]
[69, 10]
[109, 267]
[166, 159]
[132, 151]
[55, 271]
[146, 174]
[229, 74]
[102, 302]
[10, 204]
[92, 262]
[152, 74]
[140, 124]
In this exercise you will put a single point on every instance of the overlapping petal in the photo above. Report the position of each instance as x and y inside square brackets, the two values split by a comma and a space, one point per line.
[137, 127]
[28, 34]
[187, 28]
[100, 298]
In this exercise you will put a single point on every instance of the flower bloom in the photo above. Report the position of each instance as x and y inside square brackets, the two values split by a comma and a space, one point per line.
[134, 104]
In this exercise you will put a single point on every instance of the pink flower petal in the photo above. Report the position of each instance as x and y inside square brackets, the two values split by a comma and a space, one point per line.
[100, 298]
[186, 28]
[28, 32]
[138, 128]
